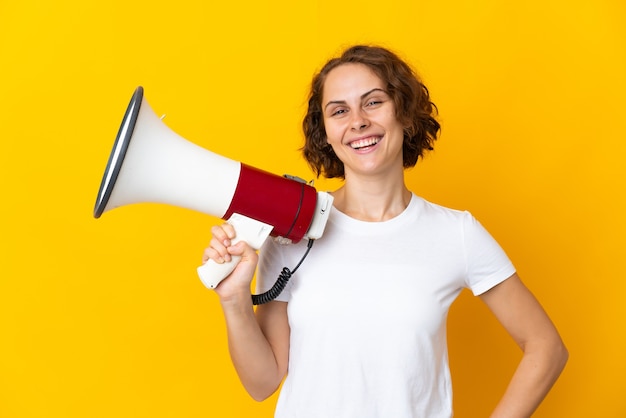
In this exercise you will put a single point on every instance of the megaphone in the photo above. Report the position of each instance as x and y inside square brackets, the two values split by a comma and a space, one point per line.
[150, 163]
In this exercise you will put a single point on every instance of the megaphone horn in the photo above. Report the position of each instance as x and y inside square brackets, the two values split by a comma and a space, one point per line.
[150, 163]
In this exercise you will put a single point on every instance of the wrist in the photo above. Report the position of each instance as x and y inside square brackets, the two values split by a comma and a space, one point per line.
[238, 301]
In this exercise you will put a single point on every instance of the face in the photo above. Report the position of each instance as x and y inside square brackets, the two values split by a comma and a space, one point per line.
[360, 121]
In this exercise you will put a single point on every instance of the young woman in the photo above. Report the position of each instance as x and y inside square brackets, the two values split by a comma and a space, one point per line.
[360, 330]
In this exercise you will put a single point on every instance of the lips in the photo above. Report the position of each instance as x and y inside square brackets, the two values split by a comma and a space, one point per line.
[365, 142]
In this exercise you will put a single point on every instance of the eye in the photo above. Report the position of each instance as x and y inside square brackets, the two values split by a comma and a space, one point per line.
[373, 103]
[338, 112]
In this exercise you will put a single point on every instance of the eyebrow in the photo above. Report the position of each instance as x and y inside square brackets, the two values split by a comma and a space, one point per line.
[364, 95]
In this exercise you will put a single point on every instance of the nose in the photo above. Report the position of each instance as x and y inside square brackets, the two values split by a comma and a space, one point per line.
[359, 120]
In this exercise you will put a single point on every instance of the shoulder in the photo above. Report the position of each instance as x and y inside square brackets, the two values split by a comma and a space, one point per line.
[434, 211]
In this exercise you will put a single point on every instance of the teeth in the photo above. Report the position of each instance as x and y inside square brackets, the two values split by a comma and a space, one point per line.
[362, 143]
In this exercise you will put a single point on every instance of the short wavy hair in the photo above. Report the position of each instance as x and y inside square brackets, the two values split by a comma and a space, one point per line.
[414, 109]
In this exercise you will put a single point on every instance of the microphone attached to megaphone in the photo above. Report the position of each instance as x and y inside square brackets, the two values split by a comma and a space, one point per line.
[150, 163]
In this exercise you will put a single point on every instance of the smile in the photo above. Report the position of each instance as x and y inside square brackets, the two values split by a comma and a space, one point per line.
[365, 142]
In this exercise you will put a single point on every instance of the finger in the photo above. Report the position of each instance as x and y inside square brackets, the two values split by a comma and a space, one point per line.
[220, 240]
[220, 235]
[242, 249]
[212, 254]
[229, 230]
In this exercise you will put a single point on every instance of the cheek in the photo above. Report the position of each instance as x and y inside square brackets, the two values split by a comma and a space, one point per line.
[334, 132]
[330, 134]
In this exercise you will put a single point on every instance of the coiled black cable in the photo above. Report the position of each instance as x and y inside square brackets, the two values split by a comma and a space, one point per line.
[281, 282]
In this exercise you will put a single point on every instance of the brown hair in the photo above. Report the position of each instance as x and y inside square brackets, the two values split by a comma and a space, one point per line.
[414, 109]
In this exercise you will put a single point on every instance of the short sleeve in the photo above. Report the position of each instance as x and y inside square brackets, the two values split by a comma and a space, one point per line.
[486, 262]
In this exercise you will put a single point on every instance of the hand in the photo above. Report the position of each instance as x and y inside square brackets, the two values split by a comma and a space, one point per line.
[221, 250]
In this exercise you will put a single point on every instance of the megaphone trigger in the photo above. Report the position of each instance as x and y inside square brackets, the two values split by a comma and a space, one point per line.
[253, 232]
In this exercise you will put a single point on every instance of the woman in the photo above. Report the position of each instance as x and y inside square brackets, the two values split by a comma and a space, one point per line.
[360, 329]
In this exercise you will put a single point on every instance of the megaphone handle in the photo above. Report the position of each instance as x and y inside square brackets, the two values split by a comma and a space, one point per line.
[246, 229]
[212, 273]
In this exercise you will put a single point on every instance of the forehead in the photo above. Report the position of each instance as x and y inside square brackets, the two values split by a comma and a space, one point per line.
[349, 81]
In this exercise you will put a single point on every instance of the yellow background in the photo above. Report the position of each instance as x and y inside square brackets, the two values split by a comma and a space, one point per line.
[106, 318]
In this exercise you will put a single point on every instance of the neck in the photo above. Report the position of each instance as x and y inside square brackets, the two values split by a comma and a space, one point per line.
[371, 200]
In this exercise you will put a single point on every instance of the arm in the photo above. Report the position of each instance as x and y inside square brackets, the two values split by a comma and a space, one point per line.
[258, 342]
[544, 356]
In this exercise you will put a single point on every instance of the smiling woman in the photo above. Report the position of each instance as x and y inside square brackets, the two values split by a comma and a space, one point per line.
[530, 97]
[370, 118]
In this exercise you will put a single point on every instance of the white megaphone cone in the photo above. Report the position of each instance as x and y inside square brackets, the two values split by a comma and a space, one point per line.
[151, 163]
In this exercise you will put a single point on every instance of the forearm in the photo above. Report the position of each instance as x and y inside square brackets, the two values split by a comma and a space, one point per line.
[250, 351]
[533, 379]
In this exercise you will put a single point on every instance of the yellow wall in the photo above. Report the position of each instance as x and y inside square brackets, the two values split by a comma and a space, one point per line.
[106, 318]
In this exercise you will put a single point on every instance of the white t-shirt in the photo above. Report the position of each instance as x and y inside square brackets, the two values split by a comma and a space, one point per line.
[367, 311]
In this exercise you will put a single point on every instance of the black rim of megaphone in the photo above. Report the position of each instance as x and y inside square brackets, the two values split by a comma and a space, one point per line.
[116, 158]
